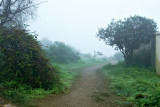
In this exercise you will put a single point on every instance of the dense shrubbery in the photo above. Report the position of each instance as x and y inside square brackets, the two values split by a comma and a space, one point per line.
[139, 85]
[58, 52]
[22, 60]
[142, 58]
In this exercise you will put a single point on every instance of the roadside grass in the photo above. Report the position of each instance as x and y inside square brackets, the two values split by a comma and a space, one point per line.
[22, 94]
[140, 86]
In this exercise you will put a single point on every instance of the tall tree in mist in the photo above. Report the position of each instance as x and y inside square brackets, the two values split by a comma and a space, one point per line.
[128, 34]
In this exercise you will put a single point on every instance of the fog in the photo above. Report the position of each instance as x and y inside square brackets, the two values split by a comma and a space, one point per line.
[76, 22]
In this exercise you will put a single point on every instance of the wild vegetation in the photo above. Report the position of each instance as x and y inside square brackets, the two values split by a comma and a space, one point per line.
[23, 66]
[23, 60]
[59, 52]
[139, 85]
[128, 34]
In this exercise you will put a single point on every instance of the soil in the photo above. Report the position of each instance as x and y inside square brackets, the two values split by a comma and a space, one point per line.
[91, 89]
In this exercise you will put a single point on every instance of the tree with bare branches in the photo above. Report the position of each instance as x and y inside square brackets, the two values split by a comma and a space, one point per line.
[16, 12]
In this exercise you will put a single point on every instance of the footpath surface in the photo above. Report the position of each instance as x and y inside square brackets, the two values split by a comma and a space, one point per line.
[89, 90]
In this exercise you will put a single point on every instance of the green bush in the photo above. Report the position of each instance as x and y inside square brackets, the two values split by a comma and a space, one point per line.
[14, 91]
[22, 60]
[59, 52]
[22, 93]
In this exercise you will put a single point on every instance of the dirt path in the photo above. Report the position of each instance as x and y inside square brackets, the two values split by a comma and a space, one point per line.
[88, 91]
[5, 103]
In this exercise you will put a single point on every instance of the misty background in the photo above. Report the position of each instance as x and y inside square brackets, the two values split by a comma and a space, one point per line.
[76, 22]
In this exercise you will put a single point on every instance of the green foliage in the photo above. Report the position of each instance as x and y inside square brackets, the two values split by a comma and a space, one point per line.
[58, 52]
[23, 61]
[67, 77]
[128, 34]
[13, 91]
[22, 93]
[140, 85]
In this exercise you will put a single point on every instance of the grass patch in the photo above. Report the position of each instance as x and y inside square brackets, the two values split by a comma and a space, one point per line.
[21, 93]
[140, 86]
[66, 77]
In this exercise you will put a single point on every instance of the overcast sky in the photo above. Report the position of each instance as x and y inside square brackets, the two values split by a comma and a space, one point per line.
[76, 22]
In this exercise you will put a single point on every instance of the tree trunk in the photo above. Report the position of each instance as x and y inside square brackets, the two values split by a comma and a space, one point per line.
[128, 59]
